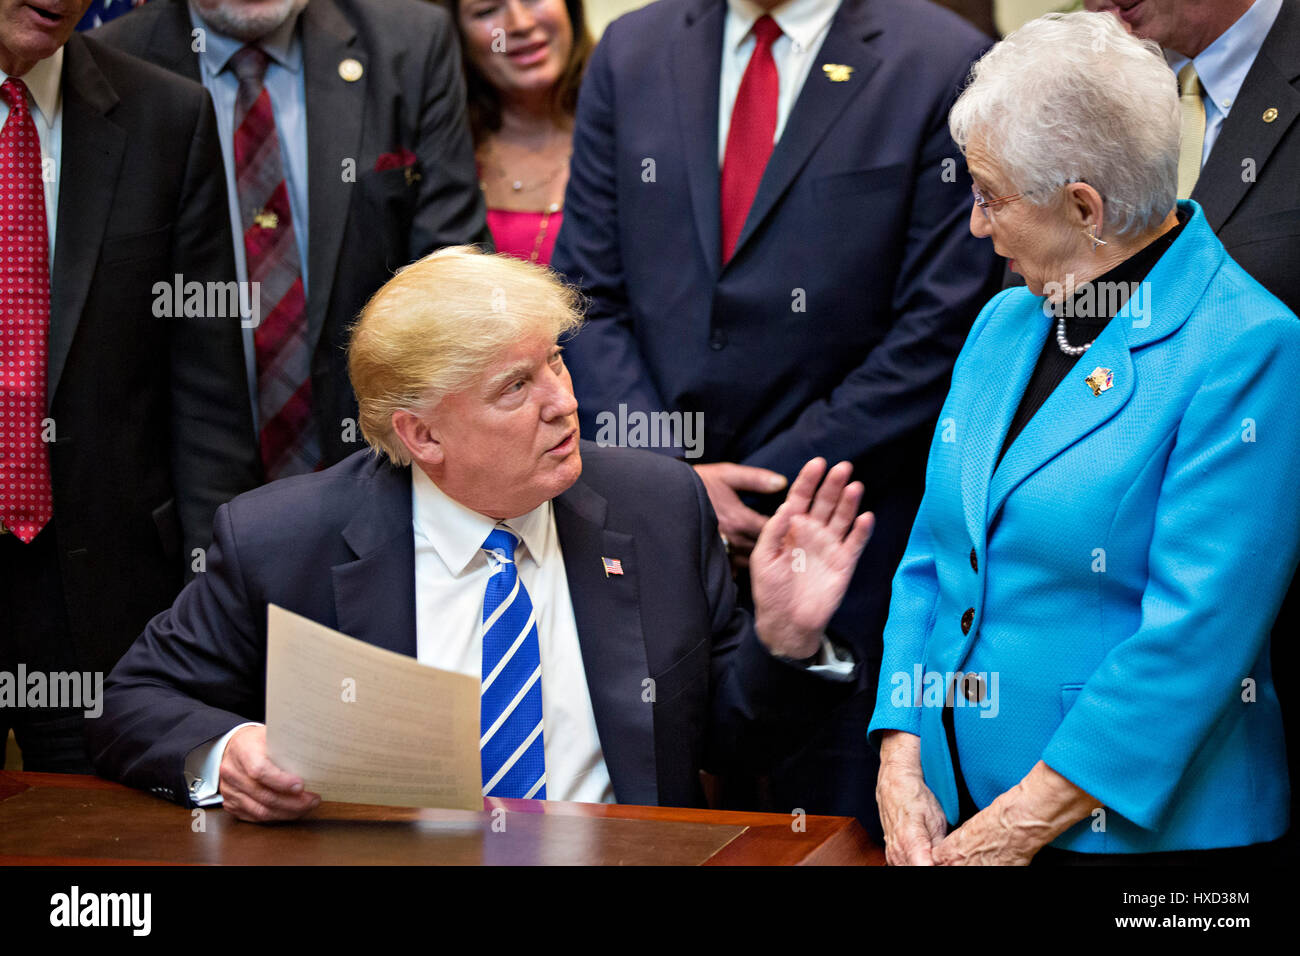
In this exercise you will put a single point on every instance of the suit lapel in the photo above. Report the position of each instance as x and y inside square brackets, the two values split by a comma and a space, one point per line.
[1071, 412]
[171, 42]
[91, 158]
[1164, 301]
[335, 115]
[607, 610]
[992, 407]
[820, 101]
[1245, 135]
[374, 596]
[697, 71]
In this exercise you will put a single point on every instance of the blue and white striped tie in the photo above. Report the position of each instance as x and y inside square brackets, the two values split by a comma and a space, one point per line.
[511, 746]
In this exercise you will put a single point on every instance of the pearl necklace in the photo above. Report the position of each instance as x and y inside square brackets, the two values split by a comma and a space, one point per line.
[1074, 351]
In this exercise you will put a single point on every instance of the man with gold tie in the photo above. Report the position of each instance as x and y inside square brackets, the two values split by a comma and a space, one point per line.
[1238, 67]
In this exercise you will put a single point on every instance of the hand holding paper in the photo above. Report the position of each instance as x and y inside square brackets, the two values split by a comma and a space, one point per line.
[365, 725]
[255, 789]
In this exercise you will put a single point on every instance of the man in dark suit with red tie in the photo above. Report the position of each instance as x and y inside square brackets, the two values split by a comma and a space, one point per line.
[347, 154]
[124, 424]
[769, 216]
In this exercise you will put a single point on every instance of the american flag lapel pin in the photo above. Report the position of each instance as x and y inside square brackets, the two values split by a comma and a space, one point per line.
[612, 566]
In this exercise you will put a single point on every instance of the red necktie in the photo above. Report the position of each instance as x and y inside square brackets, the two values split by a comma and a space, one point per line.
[289, 439]
[749, 139]
[26, 498]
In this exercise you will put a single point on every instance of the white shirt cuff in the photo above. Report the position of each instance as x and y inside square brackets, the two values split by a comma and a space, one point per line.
[833, 663]
[203, 768]
[830, 663]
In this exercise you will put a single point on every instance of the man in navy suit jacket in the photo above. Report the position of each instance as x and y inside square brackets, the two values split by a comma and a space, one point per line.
[832, 328]
[672, 674]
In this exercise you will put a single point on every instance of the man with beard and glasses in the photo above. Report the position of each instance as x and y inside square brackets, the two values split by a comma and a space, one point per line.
[347, 156]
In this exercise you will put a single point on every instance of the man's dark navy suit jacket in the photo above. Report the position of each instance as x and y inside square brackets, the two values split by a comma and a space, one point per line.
[338, 547]
[833, 329]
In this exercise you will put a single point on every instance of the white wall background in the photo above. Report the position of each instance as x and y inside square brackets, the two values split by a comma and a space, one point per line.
[1009, 13]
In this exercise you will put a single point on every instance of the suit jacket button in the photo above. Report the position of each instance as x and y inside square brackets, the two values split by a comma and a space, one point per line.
[718, 340]
[972, 686]
[967, 620]
[974, 562]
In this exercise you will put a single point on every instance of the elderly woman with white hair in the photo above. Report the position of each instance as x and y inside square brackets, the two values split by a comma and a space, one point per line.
[1076, 656]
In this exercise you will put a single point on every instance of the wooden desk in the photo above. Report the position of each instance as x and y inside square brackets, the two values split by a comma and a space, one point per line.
[54, 819]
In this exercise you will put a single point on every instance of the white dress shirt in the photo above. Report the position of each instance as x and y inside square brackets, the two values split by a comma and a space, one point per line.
[451, 574]
[804, 25]
[45, 102]
[1222, 66]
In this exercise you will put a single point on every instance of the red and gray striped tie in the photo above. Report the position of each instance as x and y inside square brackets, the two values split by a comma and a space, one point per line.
[289, 438]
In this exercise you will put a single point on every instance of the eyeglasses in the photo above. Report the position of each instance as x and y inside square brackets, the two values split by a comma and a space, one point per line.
[989, 204]
[986, 205]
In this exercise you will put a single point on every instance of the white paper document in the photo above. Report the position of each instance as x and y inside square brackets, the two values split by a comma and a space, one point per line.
[361, 724]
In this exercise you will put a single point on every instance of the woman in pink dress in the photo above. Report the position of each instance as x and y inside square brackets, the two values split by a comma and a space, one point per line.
[523, 62]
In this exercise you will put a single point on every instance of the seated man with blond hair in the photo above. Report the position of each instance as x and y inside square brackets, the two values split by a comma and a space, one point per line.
[477, 470]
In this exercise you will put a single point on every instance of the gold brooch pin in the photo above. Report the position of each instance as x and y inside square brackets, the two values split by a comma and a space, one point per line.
[351, 70]
[265, 220]
[837, 72]
[1100, 380]
[411, 175]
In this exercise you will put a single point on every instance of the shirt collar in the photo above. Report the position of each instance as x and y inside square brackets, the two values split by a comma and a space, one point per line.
[45, 81]
[1222, 66]
[801, 20]
[281, 45]
[457, 533]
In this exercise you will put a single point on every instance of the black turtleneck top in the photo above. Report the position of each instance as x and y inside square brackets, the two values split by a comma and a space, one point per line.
[1086, 316]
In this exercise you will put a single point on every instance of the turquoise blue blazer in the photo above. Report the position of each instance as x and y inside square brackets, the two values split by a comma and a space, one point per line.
[1113, 583]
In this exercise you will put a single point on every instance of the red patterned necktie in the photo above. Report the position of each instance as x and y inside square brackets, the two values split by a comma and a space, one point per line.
[289, 439]
[749, 139]
[26, 497]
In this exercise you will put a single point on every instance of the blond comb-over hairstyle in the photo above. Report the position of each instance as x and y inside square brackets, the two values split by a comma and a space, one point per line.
[438, 324]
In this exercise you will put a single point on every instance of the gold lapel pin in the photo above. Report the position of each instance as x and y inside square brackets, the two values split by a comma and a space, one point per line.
[412, 176]
[351, 70]
[837, 72]
[265, 220]
[1270, 114]
[1100, 380]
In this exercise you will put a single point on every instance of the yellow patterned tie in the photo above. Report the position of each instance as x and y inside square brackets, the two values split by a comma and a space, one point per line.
[1193, 127]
